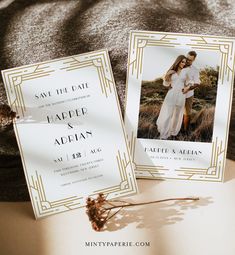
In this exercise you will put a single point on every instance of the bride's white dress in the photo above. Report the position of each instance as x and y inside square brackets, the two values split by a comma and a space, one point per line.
[171, 114]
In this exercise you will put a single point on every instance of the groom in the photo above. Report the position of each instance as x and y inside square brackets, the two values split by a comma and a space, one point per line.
[189, 90]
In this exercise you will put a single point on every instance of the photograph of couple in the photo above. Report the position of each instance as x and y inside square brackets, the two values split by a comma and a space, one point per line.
[180, 103]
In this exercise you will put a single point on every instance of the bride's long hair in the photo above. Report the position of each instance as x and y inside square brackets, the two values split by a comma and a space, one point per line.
[175, 66]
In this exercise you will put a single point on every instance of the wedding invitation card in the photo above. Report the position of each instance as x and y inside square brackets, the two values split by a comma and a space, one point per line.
[70, 131]
[178, 104]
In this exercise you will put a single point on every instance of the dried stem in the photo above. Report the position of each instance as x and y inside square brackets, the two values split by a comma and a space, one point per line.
[157, 201]
[115, 213]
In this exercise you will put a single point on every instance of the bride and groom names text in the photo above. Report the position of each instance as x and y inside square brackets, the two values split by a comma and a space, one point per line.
[173, 151]
[67, 115]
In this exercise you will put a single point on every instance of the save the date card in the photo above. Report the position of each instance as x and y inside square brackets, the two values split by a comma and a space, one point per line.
[70, 131]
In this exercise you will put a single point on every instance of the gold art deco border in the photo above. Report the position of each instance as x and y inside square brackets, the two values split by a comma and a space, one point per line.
[15, 78]
[149, 171]
[225, 45]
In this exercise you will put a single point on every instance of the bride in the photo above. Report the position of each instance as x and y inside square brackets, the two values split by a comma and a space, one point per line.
[171, 114]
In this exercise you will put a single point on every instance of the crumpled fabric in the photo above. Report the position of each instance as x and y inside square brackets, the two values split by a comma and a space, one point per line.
[39, 30]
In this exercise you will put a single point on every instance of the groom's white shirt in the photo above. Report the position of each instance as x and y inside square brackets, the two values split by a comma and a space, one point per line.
[194, 77]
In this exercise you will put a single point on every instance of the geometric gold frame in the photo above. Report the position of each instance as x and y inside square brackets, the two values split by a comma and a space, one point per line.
[226, 47]
[13, 80]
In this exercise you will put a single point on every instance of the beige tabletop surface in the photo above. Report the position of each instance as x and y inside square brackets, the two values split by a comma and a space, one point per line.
[205, 227]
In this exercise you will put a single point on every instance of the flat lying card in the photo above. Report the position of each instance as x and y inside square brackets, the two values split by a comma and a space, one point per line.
[70, 131]
[178, 104]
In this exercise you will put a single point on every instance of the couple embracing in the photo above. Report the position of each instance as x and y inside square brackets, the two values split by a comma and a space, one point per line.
[181, 79]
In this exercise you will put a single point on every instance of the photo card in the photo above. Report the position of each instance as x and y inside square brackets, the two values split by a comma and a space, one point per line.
[178, 104]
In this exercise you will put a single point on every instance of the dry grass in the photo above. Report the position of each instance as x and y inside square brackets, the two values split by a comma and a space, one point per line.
[147, 121]
[201, 127]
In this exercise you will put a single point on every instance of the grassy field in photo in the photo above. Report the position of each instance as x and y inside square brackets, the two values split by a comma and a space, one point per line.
[202, 118]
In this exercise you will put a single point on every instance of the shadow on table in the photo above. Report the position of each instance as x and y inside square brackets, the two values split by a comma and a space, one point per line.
[20, 232]
[155, 216]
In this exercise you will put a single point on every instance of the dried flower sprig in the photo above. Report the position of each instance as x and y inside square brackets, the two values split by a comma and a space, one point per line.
[99, 209]
[6, 115]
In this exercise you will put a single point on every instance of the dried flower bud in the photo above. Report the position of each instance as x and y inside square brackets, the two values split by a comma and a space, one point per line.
[6, 115]
[95, 212]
